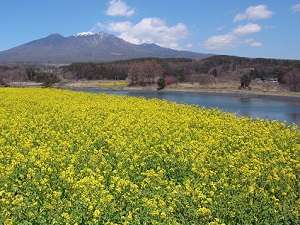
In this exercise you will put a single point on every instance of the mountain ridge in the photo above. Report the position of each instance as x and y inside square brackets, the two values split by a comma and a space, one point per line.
[87, 47]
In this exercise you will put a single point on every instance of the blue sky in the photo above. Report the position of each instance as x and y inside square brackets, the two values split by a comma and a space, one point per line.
[269, 28]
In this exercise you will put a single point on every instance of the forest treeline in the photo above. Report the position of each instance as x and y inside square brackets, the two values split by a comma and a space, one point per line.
[149, 70]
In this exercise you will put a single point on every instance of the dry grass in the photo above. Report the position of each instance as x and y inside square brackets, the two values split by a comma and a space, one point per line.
[98, 83]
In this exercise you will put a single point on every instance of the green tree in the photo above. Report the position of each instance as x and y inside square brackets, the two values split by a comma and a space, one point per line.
[50, 79]
[161, 83]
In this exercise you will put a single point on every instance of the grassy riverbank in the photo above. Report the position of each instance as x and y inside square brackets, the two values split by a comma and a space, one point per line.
[78, 158]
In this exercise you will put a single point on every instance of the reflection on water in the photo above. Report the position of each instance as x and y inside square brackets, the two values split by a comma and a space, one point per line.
[262, 107]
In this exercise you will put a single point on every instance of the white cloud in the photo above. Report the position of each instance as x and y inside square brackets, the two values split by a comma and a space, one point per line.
[237, 36]
[150, 30]
[119, 8]
[296, 8]
[249, 28]
[234, 38]
[219, 42]
[120, 27]
[253, 43]
[254, 13]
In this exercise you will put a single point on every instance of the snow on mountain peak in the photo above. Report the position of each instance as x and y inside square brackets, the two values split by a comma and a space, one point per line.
[83, 34]
[100, 35]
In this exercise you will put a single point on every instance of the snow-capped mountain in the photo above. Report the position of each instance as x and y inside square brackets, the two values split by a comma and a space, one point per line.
[87, 47]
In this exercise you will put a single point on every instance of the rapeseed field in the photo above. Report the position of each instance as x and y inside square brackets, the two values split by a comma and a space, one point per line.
[77, 158]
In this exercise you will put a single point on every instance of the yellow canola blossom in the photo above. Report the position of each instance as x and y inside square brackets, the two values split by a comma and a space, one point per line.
[77, 158]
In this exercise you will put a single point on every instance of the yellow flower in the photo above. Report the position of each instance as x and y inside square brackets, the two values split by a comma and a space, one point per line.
[204, 211]
[68, 157]
[97, 213]
[66, 216]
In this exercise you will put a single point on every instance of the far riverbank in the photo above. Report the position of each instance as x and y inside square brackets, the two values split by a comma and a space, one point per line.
[227, 89]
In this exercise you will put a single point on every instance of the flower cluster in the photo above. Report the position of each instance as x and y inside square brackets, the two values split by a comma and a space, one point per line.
[77, 158]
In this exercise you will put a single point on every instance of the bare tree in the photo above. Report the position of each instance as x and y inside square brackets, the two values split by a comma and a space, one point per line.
[292, 79]
[143, 73]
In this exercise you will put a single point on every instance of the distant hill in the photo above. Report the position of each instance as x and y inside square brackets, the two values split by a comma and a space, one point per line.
[232, 67]
[87, 47]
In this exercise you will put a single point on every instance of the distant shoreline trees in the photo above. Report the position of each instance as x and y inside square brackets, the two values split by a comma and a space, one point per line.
[47, 78]
[147, 71]
[144, 73]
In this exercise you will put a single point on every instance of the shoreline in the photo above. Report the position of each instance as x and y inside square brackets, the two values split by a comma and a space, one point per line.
[234, 93]
[286, 95]
[242, 93]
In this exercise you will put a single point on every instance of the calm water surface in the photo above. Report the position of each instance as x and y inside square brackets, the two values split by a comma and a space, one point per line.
[255, 107]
